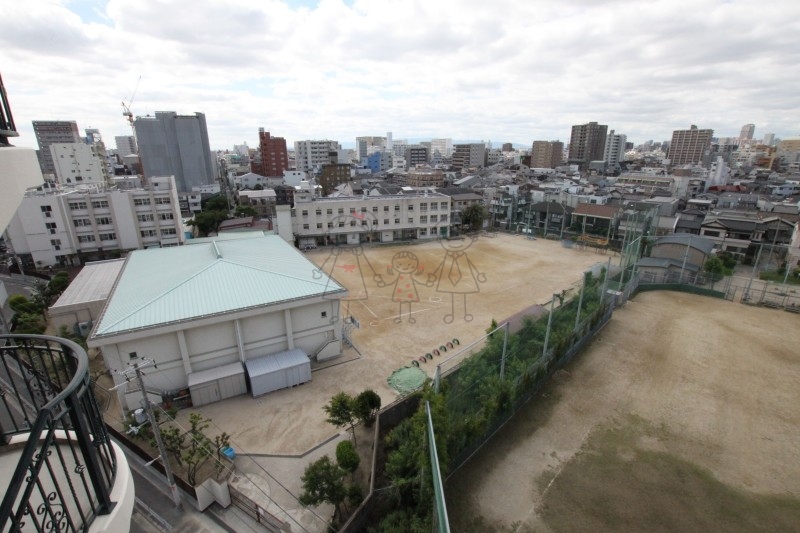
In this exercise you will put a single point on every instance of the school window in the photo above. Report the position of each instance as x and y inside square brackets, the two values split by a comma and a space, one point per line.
[410, 220]
[77, 205]
[397, 208]
[101, 221]
[423, 219]
[166, 216]
[433, 218]
[305, 212]
[51, 227]
[305, 226]
[410, 207]
[319, 212]
[108, 236]
[319, 225]
[323, 314]
[167, 232]
[374, 208]
[386, 209]
[352, 223]
[385, 220]
[423, 206]
[341, 211]
[352, 210]
[148, 233]
[85, 238]
[443, 205]
[363, 222]
[341, 224]
[146, 217]
[423, 232]
[397, 221]
[163, 201]
[100, 204]
[434, 206]
[363, 209]
[330, 225]
[80, 222]
[329, 211]
[47, 211]
[443, 218]
[55, 243]
[140, 201]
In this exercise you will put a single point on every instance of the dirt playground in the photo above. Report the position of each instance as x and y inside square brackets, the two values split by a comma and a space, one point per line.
[681, 416]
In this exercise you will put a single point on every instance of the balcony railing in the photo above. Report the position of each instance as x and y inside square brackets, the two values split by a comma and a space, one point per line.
[50, 421]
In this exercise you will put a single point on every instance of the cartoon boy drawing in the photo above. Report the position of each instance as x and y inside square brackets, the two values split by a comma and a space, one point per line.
[405, 287]
[347, 264]
[457, 274]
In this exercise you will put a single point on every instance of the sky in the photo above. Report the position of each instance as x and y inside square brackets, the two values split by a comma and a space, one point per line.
[500, 70]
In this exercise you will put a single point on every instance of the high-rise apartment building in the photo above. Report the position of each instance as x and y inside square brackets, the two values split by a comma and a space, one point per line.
[176, 145]
[363, 145]
[468, 155]
[615, 148]
[769, 139]
[587, 143]
[547, 154]
[274, 155]
[747, 132]
[53, 131]
[126, 145]
[416, 155]
[441, 148]
[689, 146]
[311, 155]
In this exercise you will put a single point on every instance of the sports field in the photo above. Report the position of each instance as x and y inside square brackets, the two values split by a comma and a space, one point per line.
[681, 416]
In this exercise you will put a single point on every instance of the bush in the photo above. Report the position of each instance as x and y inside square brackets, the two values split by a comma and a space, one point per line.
[347, 456]
[366, 406]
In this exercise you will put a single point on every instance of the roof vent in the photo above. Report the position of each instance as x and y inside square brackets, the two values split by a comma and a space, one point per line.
[216, 250]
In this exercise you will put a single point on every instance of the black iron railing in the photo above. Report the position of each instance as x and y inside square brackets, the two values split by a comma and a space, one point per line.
[67, 466]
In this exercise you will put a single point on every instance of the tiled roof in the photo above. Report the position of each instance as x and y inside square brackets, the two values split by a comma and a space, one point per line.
[597, 210]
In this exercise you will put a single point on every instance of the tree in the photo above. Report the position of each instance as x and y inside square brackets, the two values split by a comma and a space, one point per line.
[366, 406]
[20, 304]
[207, 221]
[215, 203]
[340, 412]
[714, 266]
[29, 323]
[323, 483]
[347, 456]
[472, 217]
[245, 211]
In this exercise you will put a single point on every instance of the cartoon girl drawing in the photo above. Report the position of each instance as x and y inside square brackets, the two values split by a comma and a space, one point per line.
[457, 274]
[405, 287]
[347, 263]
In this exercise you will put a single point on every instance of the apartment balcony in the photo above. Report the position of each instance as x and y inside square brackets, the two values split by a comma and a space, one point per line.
[61, 469]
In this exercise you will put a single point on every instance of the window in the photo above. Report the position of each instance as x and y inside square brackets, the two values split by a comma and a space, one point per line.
[434, 206]
[396, 220]
[47, 211]
[352, 210]
[323, 314]
[423, 206]
[103, 221]
[319, 225]
[423, 219]
[443, 205]
[80, 222]
[329, 211]
[386, 209]
[433, 218]
[141, 201]
[410, 220]
[443, 218]
[99, 204]
[352, 223]
[85, 238]
[77, 205]
[108, 236]
[148, 233]
[166, 216]
[363, 209]
[305, 212]
[51, 227]
[163, 201]
[146, 217]
[410, 207]
[341, 211]
[385, 220]
[397, 208]
[166, 232]
[374, 208]
[305, 226]
[423, 232]
[363, 223]
[341, 224]
[319, 212]
[330, 225]
[55, 243]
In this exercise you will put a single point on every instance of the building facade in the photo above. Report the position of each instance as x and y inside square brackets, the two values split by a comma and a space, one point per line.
[274, 155]
[442, 148]
[546, 154]
[53, 131]
[689, 146]
[70, 226]
[77, 163]
[587, 143]
[333, 175]
[615, 149]
[311, 155]
[468, 156]
[176, 145]
[126, 145]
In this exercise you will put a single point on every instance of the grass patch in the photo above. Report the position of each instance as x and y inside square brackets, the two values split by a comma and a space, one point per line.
[623, 481]
[777, 277]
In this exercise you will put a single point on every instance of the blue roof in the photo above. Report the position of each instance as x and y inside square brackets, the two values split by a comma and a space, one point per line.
[160, 286]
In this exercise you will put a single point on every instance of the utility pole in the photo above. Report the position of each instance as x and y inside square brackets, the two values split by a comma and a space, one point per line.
[136, 365]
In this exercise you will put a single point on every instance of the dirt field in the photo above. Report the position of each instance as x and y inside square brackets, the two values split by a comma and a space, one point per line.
[681, 416]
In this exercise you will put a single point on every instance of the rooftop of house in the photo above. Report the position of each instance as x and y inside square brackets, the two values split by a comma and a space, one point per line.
[94, 282]
[162, 286]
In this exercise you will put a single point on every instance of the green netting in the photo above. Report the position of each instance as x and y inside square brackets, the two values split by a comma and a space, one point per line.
[407, 379]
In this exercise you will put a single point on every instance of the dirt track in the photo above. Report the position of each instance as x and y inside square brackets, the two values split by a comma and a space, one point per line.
[682, 383]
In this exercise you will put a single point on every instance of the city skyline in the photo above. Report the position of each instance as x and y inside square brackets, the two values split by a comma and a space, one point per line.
[505, 72]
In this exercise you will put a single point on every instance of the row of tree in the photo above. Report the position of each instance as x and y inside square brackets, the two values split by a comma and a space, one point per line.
[30, 314]
[215, 210]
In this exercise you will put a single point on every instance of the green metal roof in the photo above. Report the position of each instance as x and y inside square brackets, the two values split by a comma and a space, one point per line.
[160, 286]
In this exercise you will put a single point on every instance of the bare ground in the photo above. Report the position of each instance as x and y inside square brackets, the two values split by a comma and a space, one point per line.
[680, 416]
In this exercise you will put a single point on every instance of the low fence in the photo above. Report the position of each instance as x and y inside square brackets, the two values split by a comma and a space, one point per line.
[271, 523]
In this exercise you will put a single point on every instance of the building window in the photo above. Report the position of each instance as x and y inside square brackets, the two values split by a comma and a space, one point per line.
[51, 227]
[434, 206]
[374, 208]
[305, 226]
[139, 201]
[363, 209]
[386, 209]
[352, 223]
[423, 232]
[396, 220]
[423, 219]
[100, 204]
[352, 210]
[47, 211]
[433, 218]
[85, 238]
[102, 221]
[341, 211]
[410, 207]
[305, 212]
[77, 205]
[443, 218]
[329, 211]
[79, 222]
[148, 233]
[147, 217]
[363, 223]
[55, 243]
[323, 314]
[319, 212]
[167, 216]
[163, 201]
[386, 221]
[423, 206]
[166, 232]
[410, 220]
[443, 205]
[397, 208]
[319, 225]
[330, 225]
[108, 236]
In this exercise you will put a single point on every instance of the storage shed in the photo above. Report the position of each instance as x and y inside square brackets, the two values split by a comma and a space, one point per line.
[215, 384]
[278, 371]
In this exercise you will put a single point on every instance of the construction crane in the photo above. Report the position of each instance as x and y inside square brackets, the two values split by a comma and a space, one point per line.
[126, 108]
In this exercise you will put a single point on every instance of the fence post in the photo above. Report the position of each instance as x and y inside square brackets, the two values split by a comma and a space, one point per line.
[437, 378]
[580, 303]
[605, 282]
[549, 323]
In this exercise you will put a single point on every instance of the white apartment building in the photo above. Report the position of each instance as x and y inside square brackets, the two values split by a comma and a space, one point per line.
[444, 147]
[354, 219]
[310, 155]
[77, 163]
[615, 149]
[65, 226]
[126, 145]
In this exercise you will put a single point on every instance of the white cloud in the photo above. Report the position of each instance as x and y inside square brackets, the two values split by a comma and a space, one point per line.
[503, 70]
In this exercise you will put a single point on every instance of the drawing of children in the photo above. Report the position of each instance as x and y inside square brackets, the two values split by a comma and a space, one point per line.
[405, 287]
[457, 274]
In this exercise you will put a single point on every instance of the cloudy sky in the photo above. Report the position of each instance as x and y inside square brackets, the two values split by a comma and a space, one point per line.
[499, 70]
